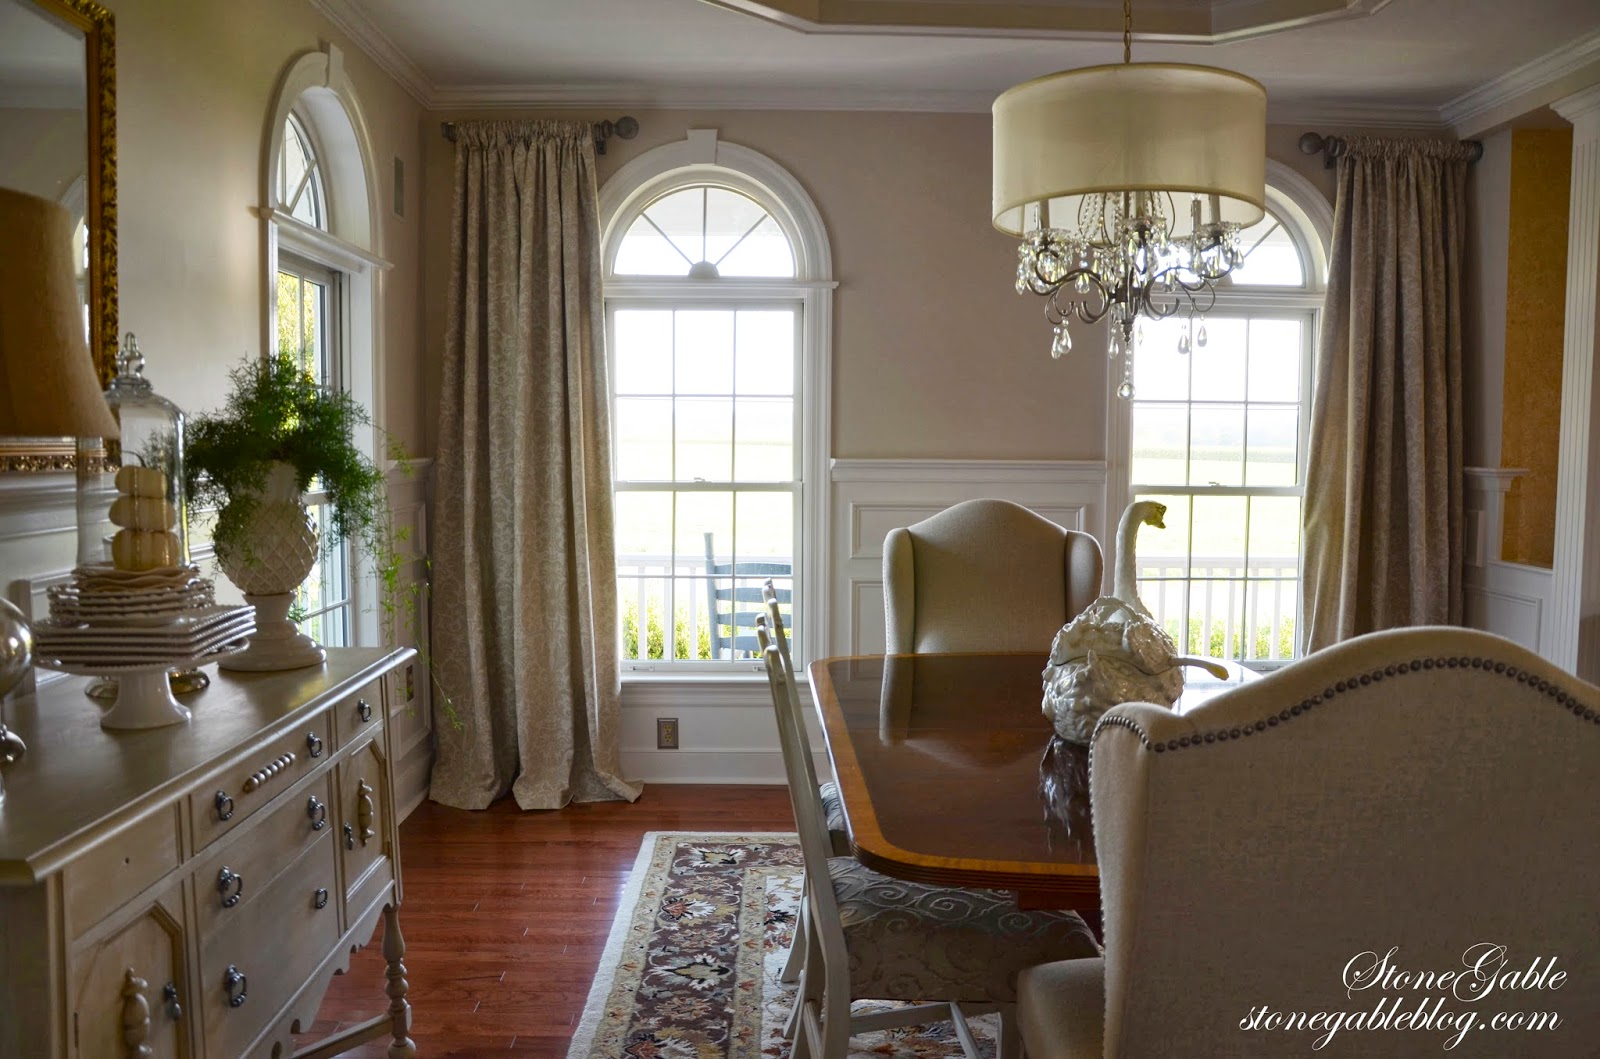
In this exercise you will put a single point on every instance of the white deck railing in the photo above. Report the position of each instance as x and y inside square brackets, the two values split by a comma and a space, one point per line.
[1217, 592]
[1244, 606]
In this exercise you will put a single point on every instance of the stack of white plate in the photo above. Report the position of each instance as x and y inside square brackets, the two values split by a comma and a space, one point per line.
[105, 596]
[190, 637]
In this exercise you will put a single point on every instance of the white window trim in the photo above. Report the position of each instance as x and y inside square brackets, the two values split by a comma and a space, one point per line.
[1301, 205]
[700, 155]
[318, 91]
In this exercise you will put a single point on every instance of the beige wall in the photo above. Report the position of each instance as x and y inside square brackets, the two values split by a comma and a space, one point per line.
[195, 82]
[934, 353]
[194, 85]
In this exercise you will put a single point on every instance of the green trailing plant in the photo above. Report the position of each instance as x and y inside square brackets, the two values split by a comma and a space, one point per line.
[278, 413]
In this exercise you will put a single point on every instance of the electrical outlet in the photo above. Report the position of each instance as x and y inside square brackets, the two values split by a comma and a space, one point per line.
[666, 733]
[411, 681]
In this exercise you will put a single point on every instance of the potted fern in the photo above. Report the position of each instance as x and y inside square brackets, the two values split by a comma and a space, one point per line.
[253, 461]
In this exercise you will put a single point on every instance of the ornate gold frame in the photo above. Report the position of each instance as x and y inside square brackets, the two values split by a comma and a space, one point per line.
[100, 68]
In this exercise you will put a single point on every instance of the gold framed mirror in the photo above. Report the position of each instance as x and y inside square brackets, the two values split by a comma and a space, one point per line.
[58, 119]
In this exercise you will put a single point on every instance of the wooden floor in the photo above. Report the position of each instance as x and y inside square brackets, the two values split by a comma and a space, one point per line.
[506, 913]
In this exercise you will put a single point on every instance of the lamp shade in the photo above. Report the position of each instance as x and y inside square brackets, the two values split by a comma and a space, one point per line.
[1131, 127]
[48, 385]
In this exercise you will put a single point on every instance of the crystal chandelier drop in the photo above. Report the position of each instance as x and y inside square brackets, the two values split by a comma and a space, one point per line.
[1128, 185]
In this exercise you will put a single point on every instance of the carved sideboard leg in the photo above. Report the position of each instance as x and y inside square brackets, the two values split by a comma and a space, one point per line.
[394, 949]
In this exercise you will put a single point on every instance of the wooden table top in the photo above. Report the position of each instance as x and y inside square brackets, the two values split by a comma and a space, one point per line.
[951, 774]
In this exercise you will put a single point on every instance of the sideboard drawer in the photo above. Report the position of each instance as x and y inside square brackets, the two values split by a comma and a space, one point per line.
[250, 968]
[356, 715]
[221, 806]
[243, 868]
[119, 868]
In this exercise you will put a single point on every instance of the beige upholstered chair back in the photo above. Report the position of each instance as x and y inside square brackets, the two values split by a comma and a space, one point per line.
[985, 575]
[1434, 792]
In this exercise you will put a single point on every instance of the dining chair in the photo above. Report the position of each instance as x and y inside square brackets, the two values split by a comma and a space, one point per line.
[871, 936]
[985, 575]
[1408, 800]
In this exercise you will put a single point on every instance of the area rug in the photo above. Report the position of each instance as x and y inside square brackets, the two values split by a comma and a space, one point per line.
[690, 970]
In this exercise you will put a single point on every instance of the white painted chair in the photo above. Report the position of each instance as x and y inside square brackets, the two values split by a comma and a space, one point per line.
[1425, 790]
[869, 936]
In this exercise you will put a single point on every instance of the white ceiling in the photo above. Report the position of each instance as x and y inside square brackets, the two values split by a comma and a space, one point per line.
[1408, 59]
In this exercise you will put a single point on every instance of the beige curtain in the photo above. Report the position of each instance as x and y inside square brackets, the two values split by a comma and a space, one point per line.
[524, 576]
[1383, 509]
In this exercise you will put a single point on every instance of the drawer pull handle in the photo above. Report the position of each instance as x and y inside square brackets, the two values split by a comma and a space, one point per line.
[224, 806]
[364, 708]
[230, 881]
[365, 811]
[314, 744]
[272, 768]
[232, 979]
[318, 812]
[321, 898]
[169, 993]
[349, 837]
[135, 1015]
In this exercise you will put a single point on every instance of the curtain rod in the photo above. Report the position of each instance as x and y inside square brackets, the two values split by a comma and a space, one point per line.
[624, 128]
[1331, 147]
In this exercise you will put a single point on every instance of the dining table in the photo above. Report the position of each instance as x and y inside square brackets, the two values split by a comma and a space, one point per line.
[950, 773]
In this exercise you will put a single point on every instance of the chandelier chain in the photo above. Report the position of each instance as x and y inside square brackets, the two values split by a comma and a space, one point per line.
[1127, 31]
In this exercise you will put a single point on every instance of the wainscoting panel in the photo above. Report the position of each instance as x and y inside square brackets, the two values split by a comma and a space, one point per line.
[726, 730]
[1512, 600]
[871, 497]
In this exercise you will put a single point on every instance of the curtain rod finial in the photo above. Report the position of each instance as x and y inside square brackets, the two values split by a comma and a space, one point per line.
[1311, 143]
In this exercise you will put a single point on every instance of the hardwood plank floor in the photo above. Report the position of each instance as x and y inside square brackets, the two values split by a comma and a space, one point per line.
[506, 914]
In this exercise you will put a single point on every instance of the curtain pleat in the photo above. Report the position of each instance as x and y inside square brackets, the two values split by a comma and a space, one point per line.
[1383, 507]
[524, 573]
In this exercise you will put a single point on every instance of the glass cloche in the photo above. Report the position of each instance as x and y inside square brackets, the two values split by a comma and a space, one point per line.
[132, 511]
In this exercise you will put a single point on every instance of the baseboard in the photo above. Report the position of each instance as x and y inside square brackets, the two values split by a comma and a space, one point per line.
[746, 766]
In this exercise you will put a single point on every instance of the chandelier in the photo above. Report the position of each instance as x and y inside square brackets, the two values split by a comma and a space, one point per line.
[1128, 185]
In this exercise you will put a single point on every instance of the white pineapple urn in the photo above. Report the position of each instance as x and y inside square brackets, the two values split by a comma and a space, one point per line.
[276, 551]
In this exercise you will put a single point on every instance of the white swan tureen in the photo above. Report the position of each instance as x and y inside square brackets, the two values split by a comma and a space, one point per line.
[1114, 651]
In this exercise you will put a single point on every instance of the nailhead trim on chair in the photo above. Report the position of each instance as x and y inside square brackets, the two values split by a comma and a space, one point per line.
[1562, 698]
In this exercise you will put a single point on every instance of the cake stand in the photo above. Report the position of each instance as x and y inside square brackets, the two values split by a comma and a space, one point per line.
[144, 695]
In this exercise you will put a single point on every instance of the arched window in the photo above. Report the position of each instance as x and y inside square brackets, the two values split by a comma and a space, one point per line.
[1217, 431]
[300, 175]
[320, 303]
[717, 301]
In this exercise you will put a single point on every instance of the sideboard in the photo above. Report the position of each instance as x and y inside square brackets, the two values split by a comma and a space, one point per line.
[191, 890]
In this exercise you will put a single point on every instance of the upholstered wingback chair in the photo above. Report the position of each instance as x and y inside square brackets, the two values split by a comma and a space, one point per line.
[985, 575]
[1416, 796]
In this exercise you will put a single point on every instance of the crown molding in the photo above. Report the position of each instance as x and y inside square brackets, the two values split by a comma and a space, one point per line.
[602, 96]
[638, 97]
[375, 43]
[1366, 116]
[1529, 77]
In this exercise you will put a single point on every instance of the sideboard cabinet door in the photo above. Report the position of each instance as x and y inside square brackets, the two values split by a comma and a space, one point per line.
[128, 997]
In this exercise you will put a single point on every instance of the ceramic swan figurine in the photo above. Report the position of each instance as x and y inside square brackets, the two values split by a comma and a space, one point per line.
[1114, 651]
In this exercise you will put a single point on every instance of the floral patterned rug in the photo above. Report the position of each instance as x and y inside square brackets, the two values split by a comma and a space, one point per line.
[691, 967]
